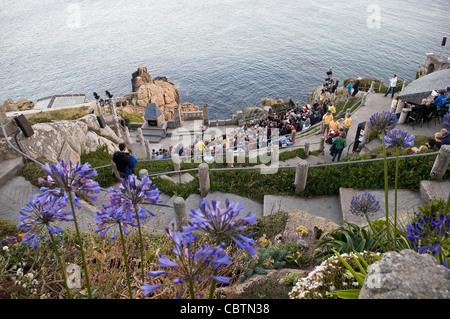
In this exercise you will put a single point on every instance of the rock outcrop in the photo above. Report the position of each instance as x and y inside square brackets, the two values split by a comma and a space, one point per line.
[64, 140]
[406, 275]
[159, 91]
[140, 77]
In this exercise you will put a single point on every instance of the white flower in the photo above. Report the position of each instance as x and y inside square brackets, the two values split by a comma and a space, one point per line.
[5, 248]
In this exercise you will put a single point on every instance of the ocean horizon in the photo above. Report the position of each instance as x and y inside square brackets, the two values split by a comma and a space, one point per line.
[229, 54]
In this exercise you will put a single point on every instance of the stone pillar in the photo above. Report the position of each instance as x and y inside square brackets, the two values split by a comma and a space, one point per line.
[205, 115]
[301, 174]
[177, 116]
[143, 172]
[400, 106]
[140, 136]
[307, 147]
[179, 207]
[127, 136]
[203, 178]
[116, 127]
[148, 150]
[441, 163]
[380, 89]
[230, 157]
[294, 136]
[364, 98]
[322, 144]
[372, 85]
[403, 116]
[176, 161]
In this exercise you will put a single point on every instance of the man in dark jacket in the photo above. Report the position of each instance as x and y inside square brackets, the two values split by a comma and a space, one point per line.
[123, 161]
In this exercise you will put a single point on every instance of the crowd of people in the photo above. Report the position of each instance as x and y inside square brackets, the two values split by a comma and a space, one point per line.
[278, 128]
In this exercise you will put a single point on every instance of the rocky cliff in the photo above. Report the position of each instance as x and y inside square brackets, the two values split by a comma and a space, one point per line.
[62, 140]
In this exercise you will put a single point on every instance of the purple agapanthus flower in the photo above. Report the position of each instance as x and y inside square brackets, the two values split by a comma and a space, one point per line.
[9, 241]
[447, 120]
[399, 138]
[220, 222]
[431, 235]
[69, 177]
[192, 262]
[364, 204]
[111, 217]
[383, 121]
[134, 192]
[42, 215]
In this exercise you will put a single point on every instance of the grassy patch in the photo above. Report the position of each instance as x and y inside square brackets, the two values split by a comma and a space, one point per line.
[58, 115]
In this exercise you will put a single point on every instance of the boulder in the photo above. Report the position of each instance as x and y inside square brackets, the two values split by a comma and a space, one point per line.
[64, 140]
[406, 275]
[10, 106]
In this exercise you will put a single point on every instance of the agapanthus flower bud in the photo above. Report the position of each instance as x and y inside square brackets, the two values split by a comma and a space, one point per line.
[399, 138]
[382, 122]
[364, 204]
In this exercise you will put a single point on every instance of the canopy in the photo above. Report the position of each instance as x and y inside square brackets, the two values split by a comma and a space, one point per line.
[422, 87]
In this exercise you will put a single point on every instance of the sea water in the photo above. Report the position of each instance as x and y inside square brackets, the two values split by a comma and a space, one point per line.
[228, 54]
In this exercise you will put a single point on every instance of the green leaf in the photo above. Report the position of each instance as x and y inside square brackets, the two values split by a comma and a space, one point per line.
[357, 276]
[346, 294]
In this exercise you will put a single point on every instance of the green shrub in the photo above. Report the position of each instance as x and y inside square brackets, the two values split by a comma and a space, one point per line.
[346, 239]
[266, 258]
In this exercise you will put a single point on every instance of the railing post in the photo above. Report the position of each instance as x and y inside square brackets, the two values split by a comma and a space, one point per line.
[441, 163]
[179, 207]
[307, 146]
[301, 174]
[322, 144]
[140, 135]
[127, 136]
[230, 157]
[372, 85]
[203, 177]
[148, 151]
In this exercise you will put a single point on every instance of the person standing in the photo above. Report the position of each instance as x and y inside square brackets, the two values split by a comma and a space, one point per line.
[334, 125]
[349, 88]
[347, 122]
[340, 143]
[356, 87]
[124, 161]
[392, 85]
[326, 119]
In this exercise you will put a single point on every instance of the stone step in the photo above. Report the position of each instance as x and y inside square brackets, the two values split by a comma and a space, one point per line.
[407, 201]
[8, 169]
[323, 206]
[434, 189]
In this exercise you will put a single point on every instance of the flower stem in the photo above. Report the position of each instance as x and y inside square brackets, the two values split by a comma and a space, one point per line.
[125, 257]
[375, 233]
[88, 286]
[69, 295]
[395, 212]
[386, 190]
[191, 289]
[141, 242]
